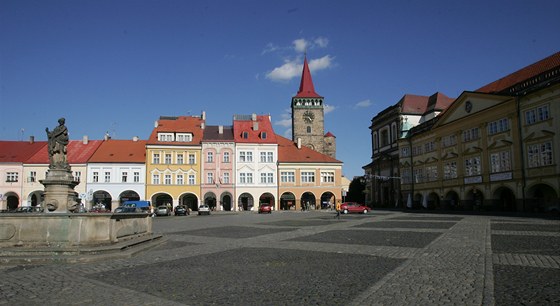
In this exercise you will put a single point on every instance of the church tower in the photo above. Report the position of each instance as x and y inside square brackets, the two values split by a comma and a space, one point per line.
[308, 117]
[308, 113]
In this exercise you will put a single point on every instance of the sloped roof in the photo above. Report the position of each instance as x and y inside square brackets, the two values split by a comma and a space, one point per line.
[522, 74]
[19, 151]
[212, 133]
[263, 125]
[120, 151]
[77, 152]
[439, 102]
[288, 152]
[413, 104]
[306, 88]
[182, 124]
[329, 134]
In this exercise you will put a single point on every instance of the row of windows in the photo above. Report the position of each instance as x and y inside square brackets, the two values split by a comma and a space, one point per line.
[245, 178]
[537, 155]
[244, 157]
[13, 177]
[106, 175]
[179, 137]
[179, 158]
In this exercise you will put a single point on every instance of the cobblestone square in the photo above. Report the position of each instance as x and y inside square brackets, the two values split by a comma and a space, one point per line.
[309, 258]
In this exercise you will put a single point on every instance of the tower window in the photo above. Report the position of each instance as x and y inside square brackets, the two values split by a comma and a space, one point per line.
[308, 130]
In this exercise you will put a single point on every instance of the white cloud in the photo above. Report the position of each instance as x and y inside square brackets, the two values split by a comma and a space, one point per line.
[292, 68]
[300, 45]
[329, 108]
[321, 63]
[289, 70]
[363, 104]
[321, 42]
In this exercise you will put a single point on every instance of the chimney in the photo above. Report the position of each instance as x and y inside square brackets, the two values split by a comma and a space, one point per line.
[135, 138]
[220, 129]
[254, 117]
[299, 143]
[255, 126]
[85, 139]
[203, 115]
[107, 137]
[156, 124]
[31, 139]
[202, 125]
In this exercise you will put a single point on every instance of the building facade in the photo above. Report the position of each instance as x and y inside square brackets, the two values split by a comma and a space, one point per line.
[256, 150]
[383, 174]
[218, 168]
[173, 162]
[116, 172]
[492, 149]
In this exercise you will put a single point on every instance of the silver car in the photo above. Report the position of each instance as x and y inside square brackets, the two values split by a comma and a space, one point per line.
[203, 209]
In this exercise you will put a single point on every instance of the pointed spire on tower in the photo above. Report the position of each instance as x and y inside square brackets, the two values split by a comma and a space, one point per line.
[306, 88]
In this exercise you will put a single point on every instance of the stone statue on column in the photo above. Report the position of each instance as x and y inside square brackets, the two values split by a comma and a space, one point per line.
[58, 141]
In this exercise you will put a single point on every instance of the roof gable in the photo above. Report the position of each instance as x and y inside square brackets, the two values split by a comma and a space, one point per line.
[212, 133]
[467, 104]
[413, 104]
[288, 152]
[120, 151]
[253, 129]
[19, 151]
[79, 152]
[183, 124]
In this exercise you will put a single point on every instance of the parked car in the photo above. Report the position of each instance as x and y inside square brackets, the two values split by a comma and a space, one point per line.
[203, 209]
[353, 207]
[99, 208]
[127, 209]
[29, 209]
[265, 209]
[181, 210]
[163, 210]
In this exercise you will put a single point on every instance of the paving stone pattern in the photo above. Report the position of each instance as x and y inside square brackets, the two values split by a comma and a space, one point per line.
[310, 258]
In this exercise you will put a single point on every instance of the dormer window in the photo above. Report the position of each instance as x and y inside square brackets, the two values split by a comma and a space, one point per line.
[263, 135]
[245, 135]
[184, 137]
[165, 137]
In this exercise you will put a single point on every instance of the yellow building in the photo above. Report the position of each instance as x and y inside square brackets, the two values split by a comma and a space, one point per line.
[173, 161]
[491, 149]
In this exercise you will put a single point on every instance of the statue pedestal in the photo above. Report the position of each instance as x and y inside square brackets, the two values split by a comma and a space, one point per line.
[60, 196]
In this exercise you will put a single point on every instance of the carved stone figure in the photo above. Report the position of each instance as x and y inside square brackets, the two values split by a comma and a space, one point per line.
[58, 140]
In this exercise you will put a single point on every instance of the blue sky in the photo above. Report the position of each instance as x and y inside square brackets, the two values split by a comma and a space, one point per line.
[116, 66]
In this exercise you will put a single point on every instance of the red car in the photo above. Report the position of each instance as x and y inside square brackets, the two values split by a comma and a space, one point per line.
[353, 207]
[265, 209]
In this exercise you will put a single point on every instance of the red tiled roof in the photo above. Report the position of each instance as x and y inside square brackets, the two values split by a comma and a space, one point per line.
[182, 124]
[120, 151]
[329, 134]
[254, 135]
[19, 151]
[413, 104]
[77, 152]
[306, 88]
[288, 152]
[439, 102]
[523, 74]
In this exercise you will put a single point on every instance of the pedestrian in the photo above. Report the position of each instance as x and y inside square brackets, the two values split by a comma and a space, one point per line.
[337, 211]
